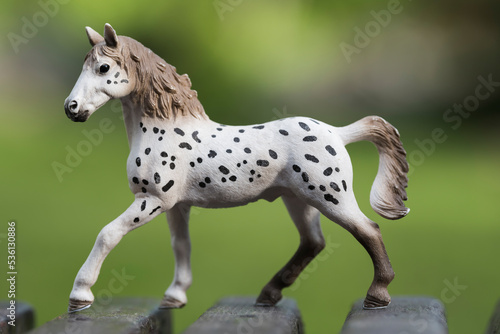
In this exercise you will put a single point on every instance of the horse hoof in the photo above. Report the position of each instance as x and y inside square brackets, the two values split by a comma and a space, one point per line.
[269, 297]
[78, 305]
[373, 303]
[169, 302]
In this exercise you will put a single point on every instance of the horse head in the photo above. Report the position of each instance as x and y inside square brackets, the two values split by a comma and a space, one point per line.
[104, 76]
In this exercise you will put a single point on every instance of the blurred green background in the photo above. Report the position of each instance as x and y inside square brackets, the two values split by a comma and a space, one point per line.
[413, 63]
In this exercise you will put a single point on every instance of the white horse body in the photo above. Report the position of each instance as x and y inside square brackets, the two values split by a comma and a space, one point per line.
[181, 160]
[226, 166]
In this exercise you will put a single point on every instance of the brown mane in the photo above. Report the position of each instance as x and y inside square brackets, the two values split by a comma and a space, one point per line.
[160, 91]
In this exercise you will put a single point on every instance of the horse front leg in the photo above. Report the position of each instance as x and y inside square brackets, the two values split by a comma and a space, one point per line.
[178, 222]
[142, 210]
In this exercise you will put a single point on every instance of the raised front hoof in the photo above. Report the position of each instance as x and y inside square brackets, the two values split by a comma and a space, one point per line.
[78, 305]
[268, 297]
[169, 302]
[374, 303]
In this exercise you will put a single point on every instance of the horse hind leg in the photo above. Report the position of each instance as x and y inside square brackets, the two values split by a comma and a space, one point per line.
[307, 220]
[368, 234]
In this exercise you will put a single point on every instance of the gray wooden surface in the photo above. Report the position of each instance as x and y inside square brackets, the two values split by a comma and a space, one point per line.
[408, 315]
[239, 315]
[119, 316]
[24, 316]
[494, 325]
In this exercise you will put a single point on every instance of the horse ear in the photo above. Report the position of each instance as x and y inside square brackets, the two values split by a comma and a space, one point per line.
[93, 36]
[110, 35]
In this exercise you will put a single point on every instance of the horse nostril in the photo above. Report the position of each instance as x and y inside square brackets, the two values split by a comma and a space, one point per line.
[73, 105]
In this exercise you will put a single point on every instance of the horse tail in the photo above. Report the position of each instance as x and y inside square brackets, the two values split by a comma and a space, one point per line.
[388, 190]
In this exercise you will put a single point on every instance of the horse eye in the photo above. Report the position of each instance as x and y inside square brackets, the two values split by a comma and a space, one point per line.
[104, 68]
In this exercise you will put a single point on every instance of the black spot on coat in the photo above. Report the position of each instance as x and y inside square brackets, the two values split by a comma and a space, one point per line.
[311, 157]
[185, 145]
[195, 137]
[167, 187]
[330, 150]
[179, 131]
[305, 177]
[224, 170]
[330, 198]
[304, 126]
[154, 210]
[310, 138]
[334, 186]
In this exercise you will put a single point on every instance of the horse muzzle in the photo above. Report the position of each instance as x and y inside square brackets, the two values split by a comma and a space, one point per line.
[71, 107]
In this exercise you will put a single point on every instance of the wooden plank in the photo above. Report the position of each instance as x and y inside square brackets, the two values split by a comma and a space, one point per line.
[494, 326]
[240, 315]
[118, 316]
[22, 313]
[408, 315]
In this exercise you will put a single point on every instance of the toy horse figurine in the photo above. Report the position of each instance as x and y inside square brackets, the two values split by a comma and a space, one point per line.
[180, 158]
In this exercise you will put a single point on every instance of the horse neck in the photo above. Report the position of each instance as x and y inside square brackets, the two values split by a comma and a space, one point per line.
[134, 116]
